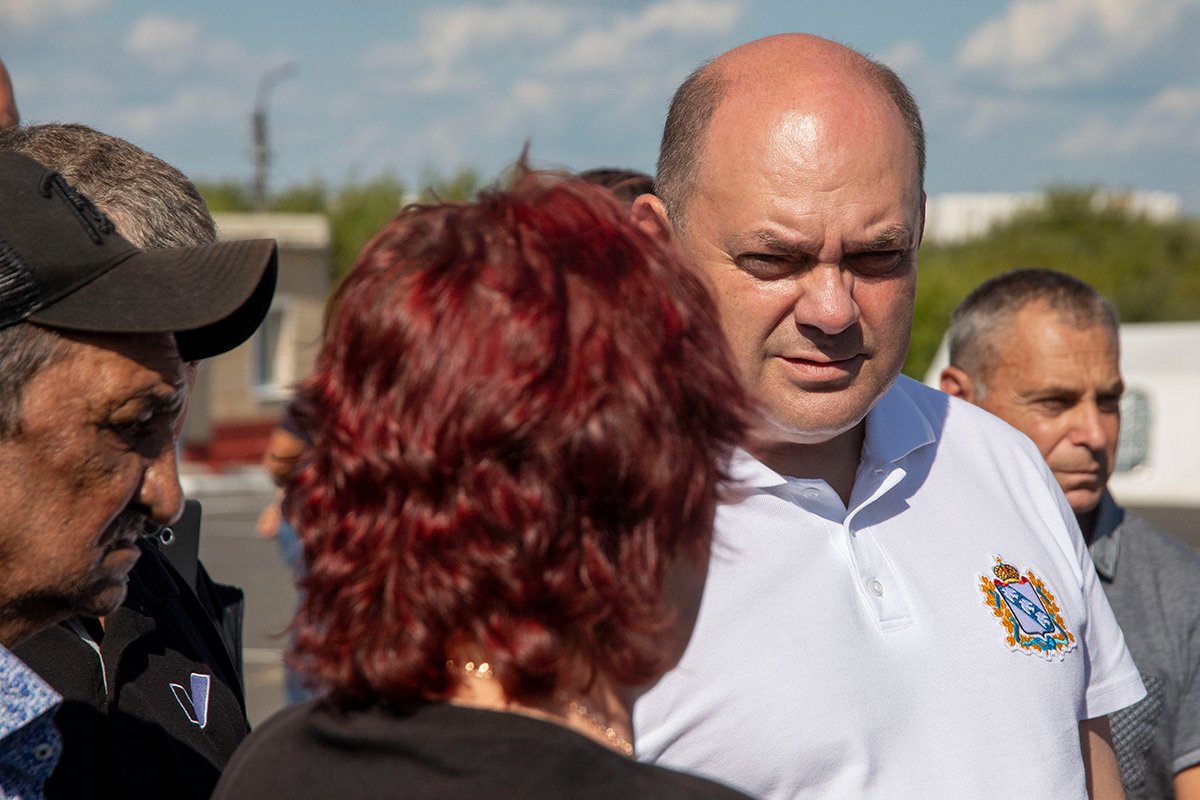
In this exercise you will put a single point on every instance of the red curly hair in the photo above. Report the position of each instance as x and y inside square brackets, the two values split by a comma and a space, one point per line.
[520, 417]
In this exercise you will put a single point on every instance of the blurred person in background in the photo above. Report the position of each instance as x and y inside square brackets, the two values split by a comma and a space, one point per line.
[286, 446]
[153, 701]
[1041, 350]
[627, 184]
[520, 418]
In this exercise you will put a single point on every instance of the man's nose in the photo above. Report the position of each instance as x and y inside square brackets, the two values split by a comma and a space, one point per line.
[826, 299]
[1089, 429]
[160, 493]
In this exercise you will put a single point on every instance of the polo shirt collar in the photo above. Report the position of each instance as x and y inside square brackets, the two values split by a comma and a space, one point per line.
[896, 427]
[1105, 546]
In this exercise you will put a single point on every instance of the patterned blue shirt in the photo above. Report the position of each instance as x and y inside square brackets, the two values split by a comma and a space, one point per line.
[29, 742]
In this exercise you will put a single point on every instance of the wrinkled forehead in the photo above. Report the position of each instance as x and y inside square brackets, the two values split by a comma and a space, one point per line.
[142, 358]
[820, 139]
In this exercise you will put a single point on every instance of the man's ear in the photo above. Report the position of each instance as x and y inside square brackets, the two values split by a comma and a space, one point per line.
[650, 215]
[924, 204]
[957, 383]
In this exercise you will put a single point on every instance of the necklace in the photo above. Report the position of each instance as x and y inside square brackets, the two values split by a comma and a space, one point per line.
[483, 670]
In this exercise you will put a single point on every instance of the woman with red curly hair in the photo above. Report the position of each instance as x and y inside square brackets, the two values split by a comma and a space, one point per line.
[520, 419]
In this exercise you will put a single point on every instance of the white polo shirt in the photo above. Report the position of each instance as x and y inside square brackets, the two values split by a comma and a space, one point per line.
[940, 639]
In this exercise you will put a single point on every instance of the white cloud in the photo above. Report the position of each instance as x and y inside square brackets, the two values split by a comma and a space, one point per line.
[433, 61]
[166, 43]
[27, 14]
[1168, 122]
[190, 107]
[905, 56]
[984, 114]
[612, 45]
[1047, 44]
[462, 49]
[485, 78]
[171, 45]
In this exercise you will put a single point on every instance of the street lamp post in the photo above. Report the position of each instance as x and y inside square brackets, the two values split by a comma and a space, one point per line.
[258, 126]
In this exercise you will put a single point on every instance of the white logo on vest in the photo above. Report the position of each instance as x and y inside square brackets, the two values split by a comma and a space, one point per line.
[195, 702]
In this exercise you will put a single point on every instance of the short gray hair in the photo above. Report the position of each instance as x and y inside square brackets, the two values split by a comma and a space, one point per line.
[152, 204]
[681, 152]
[25, 350]
[981, 320]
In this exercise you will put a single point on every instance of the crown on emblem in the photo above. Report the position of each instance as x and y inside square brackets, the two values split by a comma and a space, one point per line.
[1005, 572]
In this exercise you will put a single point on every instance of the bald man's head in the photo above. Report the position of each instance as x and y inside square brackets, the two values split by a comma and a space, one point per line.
[787, 70]
[791, 176]
[9, 116]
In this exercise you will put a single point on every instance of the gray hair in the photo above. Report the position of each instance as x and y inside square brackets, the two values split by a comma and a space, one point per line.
[152, 204]
[682, 149]
[25, 350]
[681, 152]
[981, 320]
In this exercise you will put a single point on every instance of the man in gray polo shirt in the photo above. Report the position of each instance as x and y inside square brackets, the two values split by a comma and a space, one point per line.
[1040, 350]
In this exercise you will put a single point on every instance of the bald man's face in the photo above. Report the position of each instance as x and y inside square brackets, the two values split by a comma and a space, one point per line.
[807, 219]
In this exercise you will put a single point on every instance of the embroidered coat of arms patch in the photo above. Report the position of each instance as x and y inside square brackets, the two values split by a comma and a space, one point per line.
[1027, 610]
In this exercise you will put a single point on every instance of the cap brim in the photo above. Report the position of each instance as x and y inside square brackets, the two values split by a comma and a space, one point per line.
[212, 297]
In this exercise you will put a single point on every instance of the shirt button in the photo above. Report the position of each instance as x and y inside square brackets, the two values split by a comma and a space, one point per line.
[811, 494]
[876, 588]
[43, 751]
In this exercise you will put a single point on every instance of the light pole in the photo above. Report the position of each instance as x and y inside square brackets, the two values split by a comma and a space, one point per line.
[258, 128]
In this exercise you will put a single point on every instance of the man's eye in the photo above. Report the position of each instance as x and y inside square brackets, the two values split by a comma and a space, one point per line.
[1110, 404]
[765, 266]
[1054, 404]
[129, 430]
[877, 263]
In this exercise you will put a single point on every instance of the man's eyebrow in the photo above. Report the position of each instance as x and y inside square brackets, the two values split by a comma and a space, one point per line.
[788, 248]
[893, 237]
[153, 400]
[890, 238]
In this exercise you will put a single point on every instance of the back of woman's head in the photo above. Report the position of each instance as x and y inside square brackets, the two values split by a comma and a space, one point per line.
[521, 415]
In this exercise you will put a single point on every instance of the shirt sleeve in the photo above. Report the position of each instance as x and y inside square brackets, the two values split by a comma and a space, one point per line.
[1186, 733]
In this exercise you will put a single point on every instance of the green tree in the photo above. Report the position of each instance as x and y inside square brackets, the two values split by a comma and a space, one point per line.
[356, 211]
[1150, 270]
[225, 196]
[301, 198]
[461, 185]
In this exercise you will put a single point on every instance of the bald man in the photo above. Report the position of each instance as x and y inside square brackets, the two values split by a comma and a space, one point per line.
[899, 602]
[9, 117]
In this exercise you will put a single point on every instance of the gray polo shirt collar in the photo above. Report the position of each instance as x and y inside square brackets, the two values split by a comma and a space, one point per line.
[1105, 546]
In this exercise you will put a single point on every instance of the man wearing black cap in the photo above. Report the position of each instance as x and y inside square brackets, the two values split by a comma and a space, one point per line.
[94, 334]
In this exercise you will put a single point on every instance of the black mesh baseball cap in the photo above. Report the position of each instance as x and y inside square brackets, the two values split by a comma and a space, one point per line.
[63, 265]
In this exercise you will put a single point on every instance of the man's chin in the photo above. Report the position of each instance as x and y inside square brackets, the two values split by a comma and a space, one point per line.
[107, 591]
[104, 600]
[1084, 501]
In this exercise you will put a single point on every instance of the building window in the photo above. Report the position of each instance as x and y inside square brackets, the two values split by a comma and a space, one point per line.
[273, 359]
[1133, 448]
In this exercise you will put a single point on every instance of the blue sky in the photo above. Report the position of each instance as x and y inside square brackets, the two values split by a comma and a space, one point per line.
[1016, 95]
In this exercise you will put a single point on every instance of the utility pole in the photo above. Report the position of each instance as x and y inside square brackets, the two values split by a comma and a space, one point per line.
[258, 129]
